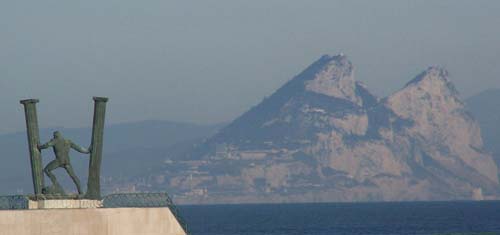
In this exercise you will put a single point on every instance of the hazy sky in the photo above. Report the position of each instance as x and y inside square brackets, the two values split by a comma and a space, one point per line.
[209, 61]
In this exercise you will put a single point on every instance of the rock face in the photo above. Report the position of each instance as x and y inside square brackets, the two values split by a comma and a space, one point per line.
[439, 117]
[324, 137]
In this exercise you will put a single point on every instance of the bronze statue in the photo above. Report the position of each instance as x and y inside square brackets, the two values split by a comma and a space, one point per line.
[61, 147]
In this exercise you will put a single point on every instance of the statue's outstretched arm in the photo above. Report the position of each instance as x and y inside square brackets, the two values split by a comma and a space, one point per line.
[79, 148]
[47, 145]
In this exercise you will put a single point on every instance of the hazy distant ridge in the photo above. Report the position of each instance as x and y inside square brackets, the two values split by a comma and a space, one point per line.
[130, 149]
[485, 107]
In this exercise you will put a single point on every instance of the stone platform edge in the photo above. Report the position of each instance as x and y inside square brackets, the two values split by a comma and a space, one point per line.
[64, 204]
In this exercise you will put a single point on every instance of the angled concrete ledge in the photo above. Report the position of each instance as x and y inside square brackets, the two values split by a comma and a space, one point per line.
[98, 221]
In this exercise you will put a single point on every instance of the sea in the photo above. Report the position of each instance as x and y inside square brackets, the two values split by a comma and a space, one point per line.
[435, 218]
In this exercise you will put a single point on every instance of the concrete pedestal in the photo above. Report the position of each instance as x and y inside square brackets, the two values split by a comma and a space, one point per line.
[98, 221]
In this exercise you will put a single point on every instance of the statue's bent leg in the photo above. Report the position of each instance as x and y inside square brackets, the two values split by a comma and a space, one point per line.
[73, 176]
[48, 171]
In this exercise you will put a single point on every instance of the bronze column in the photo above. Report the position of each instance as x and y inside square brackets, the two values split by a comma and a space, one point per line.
[33, 141]
[94, 184]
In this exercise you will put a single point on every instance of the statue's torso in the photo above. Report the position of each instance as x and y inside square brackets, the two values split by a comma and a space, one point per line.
[61, 150]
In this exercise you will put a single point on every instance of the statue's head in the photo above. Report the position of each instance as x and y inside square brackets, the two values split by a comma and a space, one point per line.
[57, 134]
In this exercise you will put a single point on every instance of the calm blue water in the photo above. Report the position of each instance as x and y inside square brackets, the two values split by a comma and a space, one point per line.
[457, 218]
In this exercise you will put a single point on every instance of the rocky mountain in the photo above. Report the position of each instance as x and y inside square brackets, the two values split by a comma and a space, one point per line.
[324, 137]
[485, 107]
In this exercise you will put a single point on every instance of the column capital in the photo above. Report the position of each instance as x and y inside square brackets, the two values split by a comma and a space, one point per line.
[102, 99]
[29, 101]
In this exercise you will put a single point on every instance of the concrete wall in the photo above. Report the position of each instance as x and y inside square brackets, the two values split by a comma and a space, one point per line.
[106, 221]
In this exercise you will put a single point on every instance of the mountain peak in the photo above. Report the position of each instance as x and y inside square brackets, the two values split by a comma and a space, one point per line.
[341, 57]
[337, 61]
[434, 81]
[435, 73]
[429, 93]
[335, 78]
